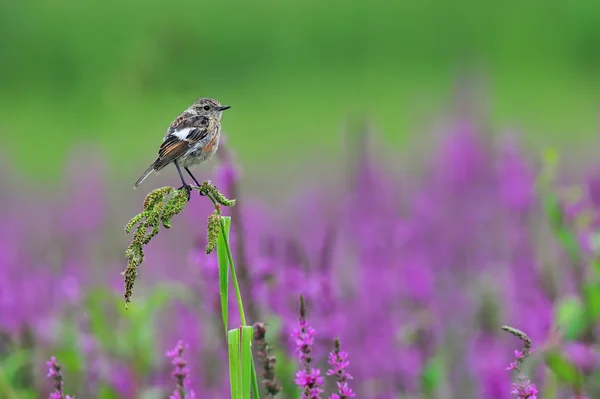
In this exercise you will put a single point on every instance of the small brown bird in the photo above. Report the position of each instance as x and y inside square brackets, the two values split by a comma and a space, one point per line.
[192, 139]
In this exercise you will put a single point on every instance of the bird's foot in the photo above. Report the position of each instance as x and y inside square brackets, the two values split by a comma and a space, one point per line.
[187, 189]
[202, 192]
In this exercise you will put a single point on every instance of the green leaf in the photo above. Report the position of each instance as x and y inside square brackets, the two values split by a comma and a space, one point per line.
[570, 317]
[591, 300]
[14, 362]
[107, 392]
[247, 361]
[240, 361]
[234, 342]
[563, 369]
[431, 376]
[7, 388]
[222, 244]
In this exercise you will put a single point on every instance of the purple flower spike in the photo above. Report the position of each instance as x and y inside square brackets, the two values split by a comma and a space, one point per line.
[308, 379]
[338, 360]
[180, 373]
[524, 389]
[54, 372]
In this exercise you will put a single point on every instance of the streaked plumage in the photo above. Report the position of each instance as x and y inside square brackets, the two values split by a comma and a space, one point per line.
[191, 139]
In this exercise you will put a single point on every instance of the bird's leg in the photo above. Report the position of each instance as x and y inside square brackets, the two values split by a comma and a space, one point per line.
[185, 186]
[195, 181]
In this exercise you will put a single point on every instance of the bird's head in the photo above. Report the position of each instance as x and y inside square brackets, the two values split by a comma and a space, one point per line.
[208, 107]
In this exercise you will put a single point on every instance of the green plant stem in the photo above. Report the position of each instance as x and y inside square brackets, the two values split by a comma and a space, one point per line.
[238, 294]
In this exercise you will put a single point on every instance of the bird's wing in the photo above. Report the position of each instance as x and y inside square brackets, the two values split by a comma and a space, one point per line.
[182, 134]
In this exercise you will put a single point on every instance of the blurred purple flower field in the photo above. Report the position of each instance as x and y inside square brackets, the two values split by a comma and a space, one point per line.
[414, 273]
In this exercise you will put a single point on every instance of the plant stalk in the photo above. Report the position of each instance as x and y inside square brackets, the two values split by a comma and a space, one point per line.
[238, 293]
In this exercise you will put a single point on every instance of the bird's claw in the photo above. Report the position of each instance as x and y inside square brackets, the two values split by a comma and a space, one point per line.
[202, 192]
[187, 189]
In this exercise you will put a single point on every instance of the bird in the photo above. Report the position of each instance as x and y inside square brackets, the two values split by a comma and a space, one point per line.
[191, 139]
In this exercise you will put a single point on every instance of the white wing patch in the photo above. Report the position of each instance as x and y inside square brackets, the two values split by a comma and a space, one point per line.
[183, 133]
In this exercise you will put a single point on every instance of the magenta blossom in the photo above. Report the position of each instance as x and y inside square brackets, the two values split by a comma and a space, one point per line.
[308, 379]
[180, 373]
[338, 360]
[55, 373]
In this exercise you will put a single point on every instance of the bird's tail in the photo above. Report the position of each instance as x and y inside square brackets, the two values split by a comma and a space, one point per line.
[144, 175]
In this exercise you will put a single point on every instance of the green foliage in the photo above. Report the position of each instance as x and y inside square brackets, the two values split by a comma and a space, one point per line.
[432, 376]
[563, 369]
[11, 365]
[14, 362]
[72, 359]
[590, 292]
[240, 361]
[224, 271]
[136, 341]
[107, 392]
[116, 86]
[225, 259]
[285, 368]
[570, 318]
[575, 316]
[139, 340]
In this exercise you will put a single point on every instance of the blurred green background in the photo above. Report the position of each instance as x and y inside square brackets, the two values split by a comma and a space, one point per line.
[116, 73]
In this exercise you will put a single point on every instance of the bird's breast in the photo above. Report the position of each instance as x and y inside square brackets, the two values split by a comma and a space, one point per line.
[202, 151]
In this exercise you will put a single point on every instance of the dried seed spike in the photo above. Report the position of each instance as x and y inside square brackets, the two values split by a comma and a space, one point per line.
[209, 189]
[519, 334]
[213, 230]
[160, 206]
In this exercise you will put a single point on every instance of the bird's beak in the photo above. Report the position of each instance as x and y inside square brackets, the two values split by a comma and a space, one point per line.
[224, 107]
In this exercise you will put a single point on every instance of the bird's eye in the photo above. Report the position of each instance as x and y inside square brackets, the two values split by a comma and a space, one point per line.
[206, 107]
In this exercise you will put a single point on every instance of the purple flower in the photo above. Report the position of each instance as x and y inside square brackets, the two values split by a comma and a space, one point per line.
[180, 373]
[338, 360]
[308, 379]
[343, 391]
[524, 389]
[304, 337]
[512, 366]
[54, 372]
